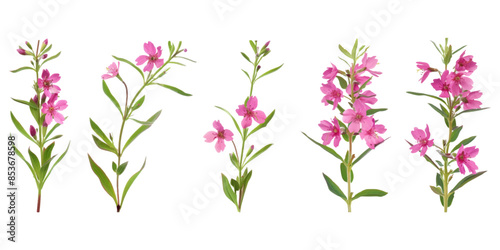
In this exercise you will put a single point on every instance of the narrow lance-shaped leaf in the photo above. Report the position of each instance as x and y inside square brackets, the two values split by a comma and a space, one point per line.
[466, 179]
[345, 51]
[178, 91]
[438, 110]
[437, 190]
[131, 64]
[103, 178]
[455, 133]
[342, 82]
[110, 96]
[343, 172]
[228, 191]
[55, 164]
[21, 69]
[100, 133]
[100, 144]
[131, 181]
[31, 104]
[20, 128]
[270, 71]
[422, 94]
[370, 193]
[27, 163]
[264, 124]
[464, 142]
[334, 188]
[51, 58]
[262, 150]
[326, 148]
[471, 110]
[141, 129]
[234, 120]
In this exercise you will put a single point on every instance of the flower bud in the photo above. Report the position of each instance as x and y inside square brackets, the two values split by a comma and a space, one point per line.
[258, 67]
[29, 45]
[185, 50]
[32, 131]
[44, 44]
[45, 124]
[250, 150]
[267, 44]
[35, 99]
[21, 51]
[44, 97]
[44, 56]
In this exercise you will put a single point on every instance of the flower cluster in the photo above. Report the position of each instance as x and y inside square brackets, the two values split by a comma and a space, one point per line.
[45, 106]
[456, 95]
[358, 120]
[247, 110]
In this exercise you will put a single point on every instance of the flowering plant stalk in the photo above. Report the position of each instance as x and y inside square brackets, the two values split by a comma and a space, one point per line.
[127, 112]
[456, 97]
[358, 120]
[240, 159]
[44, 107]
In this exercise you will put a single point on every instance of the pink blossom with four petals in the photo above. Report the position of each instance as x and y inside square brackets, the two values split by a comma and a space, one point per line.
[51, 110]
[250, 113]
[332, 131]
[463, 156]
[367, 97]
[469, 100]
[357, 118]
[426, 68]
[423, 140]
[221, 134]
[442, 84]
[153, 57]
[330, 73]
[369, 63]
[47, 83]
[112, 71]
[465, 63]
[459, 82]
[332, 93]
[371, 136]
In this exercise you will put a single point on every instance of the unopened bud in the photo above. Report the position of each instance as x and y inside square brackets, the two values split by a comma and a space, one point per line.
[32, 131]
[21, 51]
[44, 56]
[185, 50]
[44, 97]
[258, 67]
[29, 45]
[35, 99]
[44, 44]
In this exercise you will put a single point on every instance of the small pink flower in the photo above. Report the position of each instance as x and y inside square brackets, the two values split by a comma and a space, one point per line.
[47, 83]
[332, 93]
[221, 134]
[442, 84]
[469, 100]
[427, 70]
[423, 140]
[367, 97]
[32, 131]
[153, 57]
[21, 51]
[459, 82]
[463, 156]
[369, 63]
[51, 110]
[465, 63]
[357, 118]
[330, 73]
[354, 87]
[249, 112]
[112, 71]
[371, 136]
[332, 131]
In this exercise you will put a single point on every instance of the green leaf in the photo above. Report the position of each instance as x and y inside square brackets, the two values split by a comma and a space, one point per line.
[254, 46]
[438, 110]
[178, 91]
[121, 168]
[340, 109]
[234, 120]
[51, 58]
[464, 142]
[114, 167]
[262, 150]
[101, 134]
[455, 133]
[440, 52]
[370, 193]
[246, 178]
[334, 188]
[326, 148]
[31, 104]
[422, 94]
[343, 172]
[345, 51]
[246, 57]
[54, 138]
[354, 48]
[471, 110]
[342, 82]
[230, 194]
[110, 96]
[139, 103]
[235, 184]
[234, 160]
[362, 155]
[55, 164]
[100, 144]
[21, 69]
[20, 128]
[131, 64]
[246, 73]
[35, 162]
[439, 181]
[437, 190]
[141, 129]
[28, 164]
[459, 49]
[141, 122]
[131, 181]
[270, 71]
[264, 124]
[103, 178]
[373, 111]
[466, 179]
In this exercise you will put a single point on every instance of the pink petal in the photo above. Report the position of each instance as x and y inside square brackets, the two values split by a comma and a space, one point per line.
[45, 108]
[158, 55]
[471, 166]
[220, 145]
[40, 83]
[150, 48]
[461, 167]
[348, 115]
[228, 135]
[58, 117]
[354, 127]
[415, 148]
[471, 152]
[45, 74]
[418, 134]
[149, 66]
[336, 141]
[246, 122]
[54, 78]
[61, 105]
[55, 89]
[252, 103]
[327, 138]
[210, 136]
[325, 125]
[424, 150]
[106, 76]
[141, 59]
[367, 123]
[159, 63]
[427, 132]
[259, 116]
[48, 119]
[241, 111]
[218, 126]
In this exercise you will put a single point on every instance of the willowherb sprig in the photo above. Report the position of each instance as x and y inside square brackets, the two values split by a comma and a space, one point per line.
[45, 106]
[358, 120]
[106, 142]
[456, 97]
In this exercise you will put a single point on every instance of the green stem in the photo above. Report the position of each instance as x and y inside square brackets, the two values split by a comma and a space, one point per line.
[447, 148]
[349, 167]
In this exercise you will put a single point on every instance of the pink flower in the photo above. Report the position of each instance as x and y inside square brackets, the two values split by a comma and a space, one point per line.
[442, 84]
[249, 112]
[465, 63]
[153, 57]
[463, 156]
[469, 100]
[423, 141]
[371, 136]
[332, 131]
[330, 73]
[221, 134]
[367, 97]
[357, 118]
[369, 63]
[425, 67]
[355, 87]
[332, 93]
[112, 71]
[32, 131]
[47, 83]
[457, 80]
[51, 110]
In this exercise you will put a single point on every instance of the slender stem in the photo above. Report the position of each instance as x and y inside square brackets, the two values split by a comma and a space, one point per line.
[348, 168]
[447, 148]
[39, 200]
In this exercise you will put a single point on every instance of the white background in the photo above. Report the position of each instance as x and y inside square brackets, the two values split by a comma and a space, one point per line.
[288, 205]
